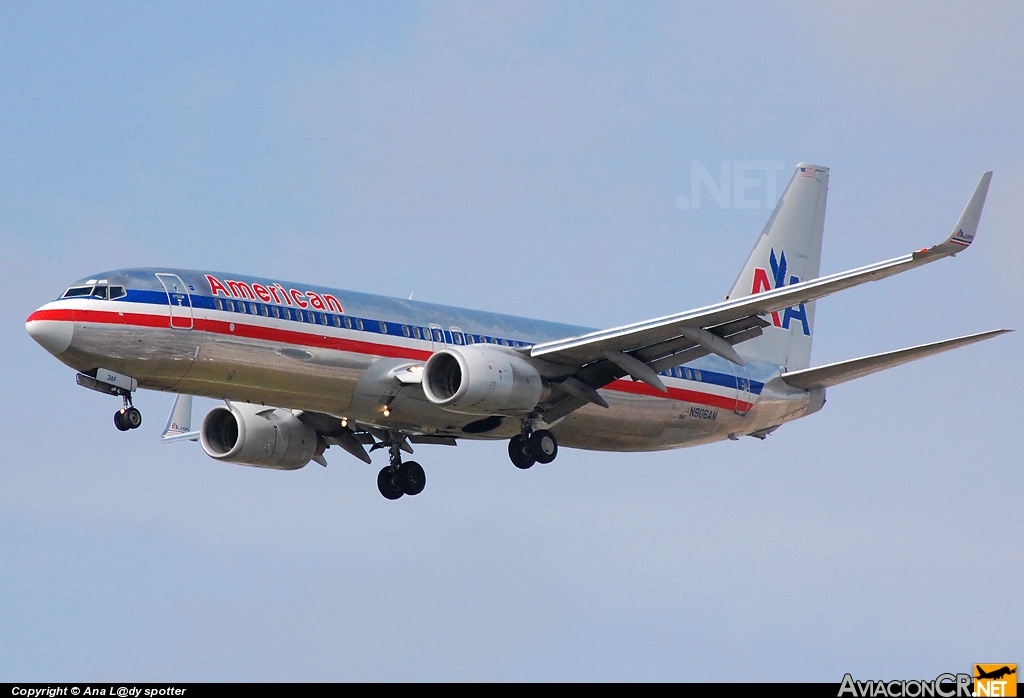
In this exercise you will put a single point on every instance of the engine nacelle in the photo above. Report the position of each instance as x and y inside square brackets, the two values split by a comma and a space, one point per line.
[265, 437]
[481, 380]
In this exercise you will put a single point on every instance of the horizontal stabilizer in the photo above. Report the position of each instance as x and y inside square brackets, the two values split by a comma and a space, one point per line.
[833, 374]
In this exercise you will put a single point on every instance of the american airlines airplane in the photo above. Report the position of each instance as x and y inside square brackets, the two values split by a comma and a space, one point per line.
[301, 368]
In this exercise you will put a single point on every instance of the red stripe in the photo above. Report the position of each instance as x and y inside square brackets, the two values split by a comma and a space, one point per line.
[681, 394]
[306, 339]
[62, 314]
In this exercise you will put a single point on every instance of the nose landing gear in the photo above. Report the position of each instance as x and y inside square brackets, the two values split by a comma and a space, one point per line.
[128, 417]
[111, 383]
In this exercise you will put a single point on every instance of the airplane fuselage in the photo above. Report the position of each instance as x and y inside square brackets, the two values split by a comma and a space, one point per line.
[302, 347]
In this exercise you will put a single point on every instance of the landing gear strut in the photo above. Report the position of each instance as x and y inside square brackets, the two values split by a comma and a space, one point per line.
[128, 417]
[531, 447]
[400, 478]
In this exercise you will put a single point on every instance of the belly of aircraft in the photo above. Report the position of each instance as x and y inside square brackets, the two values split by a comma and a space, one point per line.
[346, 384]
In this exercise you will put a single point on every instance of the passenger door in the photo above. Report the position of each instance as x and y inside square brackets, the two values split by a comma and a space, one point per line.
[179, 299]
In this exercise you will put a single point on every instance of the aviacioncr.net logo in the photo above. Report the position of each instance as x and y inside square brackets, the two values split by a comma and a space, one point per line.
[943, 686]
[995, 680]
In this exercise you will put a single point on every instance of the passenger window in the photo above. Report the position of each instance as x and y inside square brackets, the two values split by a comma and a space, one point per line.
[438, 336]
[406, 331]
[274, 311]
[415, 332]
[359, 324]
[336, 320]
[323, 318]
[383, 327]
[252, 309]
[263, 311]
[286, 314]
[217, 304]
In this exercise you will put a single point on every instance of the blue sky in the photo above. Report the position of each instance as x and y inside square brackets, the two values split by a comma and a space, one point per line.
[526, 158]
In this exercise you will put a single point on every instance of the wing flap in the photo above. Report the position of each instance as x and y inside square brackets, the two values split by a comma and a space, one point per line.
[349, 442]
[843, 371]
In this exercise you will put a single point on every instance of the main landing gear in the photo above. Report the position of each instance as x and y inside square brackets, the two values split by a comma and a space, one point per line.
[128, 417]
[400, 478]
[531, 447]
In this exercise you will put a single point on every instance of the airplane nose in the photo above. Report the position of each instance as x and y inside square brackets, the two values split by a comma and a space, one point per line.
[53, 335]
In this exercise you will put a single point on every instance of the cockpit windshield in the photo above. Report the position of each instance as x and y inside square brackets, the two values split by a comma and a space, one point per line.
[99, 291]
[78, 292]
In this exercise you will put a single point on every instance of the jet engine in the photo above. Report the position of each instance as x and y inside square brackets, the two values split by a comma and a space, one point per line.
[265, 437]
[481, 380]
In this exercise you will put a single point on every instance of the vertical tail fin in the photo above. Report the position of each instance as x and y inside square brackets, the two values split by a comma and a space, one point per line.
[788, 251]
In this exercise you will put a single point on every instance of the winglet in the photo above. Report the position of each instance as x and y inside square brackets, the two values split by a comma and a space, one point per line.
[967, 227]
[179, 421]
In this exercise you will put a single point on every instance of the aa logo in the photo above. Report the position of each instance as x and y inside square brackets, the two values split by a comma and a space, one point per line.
[764, 282]
[995, 680]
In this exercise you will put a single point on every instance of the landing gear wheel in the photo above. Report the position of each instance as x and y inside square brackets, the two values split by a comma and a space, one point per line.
[120, 422]
[389, 482]
[519, 453]
[543, 446]
[132, 417]
[413, 478]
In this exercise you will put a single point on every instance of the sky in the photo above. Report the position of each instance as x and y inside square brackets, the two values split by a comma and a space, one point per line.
[537, 159]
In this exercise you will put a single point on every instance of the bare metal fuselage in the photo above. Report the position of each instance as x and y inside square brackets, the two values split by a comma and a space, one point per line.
[190, 344]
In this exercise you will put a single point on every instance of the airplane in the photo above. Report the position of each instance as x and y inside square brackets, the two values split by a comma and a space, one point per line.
[995, 674]
[301, 368]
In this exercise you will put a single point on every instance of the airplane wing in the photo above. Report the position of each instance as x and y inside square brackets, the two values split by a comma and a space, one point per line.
[597, 358]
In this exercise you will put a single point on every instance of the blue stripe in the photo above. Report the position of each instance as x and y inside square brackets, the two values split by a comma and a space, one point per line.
[382, 327]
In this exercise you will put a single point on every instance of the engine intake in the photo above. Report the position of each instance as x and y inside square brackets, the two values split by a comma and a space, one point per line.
[481, 380]
[265, 437]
